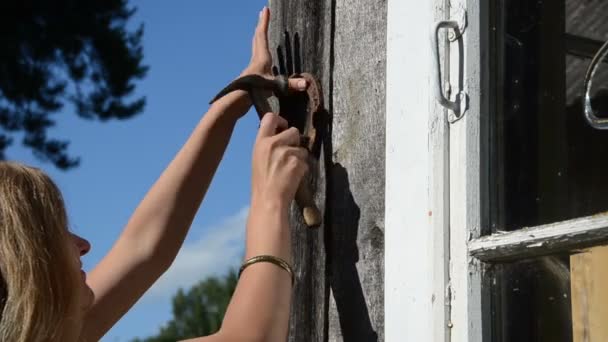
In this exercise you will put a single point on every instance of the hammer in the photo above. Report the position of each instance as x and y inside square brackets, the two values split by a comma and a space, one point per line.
[258, 88]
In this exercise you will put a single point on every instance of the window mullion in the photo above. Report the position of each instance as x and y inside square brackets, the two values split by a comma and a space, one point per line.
[468, 72]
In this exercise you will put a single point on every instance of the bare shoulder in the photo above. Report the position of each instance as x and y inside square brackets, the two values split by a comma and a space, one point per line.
[220, 338]
[211, 338]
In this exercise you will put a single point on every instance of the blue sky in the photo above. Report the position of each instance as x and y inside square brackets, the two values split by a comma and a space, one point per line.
[193, 48]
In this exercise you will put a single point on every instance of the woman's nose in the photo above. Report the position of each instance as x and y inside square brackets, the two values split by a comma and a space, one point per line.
[82, 244]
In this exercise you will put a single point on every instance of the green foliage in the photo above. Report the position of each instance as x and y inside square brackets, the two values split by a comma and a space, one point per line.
[199, 311]
[60, 52]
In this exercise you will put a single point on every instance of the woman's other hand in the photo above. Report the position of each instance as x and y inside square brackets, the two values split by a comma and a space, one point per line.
[261, 60]
[279, 163]
[236, 104]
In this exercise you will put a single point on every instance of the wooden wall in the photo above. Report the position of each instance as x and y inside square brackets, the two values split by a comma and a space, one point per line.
[340, 266]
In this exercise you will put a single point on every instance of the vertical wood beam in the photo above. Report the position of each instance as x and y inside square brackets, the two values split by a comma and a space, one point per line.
[309, 24]
[340, 266]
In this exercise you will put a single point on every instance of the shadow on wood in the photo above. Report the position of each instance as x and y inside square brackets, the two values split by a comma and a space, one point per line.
[342, 228]
[293, 107]
[343, 255]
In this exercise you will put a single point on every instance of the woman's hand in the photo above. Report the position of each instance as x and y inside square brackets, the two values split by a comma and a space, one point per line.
[261, 60]
[279, 163]
[237, 103]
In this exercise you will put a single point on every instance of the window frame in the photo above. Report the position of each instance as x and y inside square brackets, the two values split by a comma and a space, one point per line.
[437, 183]
[472, 252]
[468, 182]
[409, 243]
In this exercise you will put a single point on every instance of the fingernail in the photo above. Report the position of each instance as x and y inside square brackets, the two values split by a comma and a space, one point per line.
[302, 84]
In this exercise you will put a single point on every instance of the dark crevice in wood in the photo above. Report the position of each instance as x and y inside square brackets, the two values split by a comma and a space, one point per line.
[328, 155]
[289, 54]
[298, 55]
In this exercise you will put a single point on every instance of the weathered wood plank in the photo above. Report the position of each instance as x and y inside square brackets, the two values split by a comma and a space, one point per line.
[589, 278]
[543, 240]
[357, 172]
[340, 267]
[309, 26]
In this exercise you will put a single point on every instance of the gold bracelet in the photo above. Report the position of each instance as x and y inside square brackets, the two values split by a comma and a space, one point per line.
[271, 259]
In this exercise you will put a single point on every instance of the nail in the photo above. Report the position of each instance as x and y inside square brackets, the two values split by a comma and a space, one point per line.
[302, 84]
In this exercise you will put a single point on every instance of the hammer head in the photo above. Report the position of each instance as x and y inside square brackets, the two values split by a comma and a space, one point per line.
[258, 88]
[301, 110]
[299, 114]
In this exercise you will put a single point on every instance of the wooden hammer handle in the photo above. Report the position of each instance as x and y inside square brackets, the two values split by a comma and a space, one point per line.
[306, 203]
[304, 196]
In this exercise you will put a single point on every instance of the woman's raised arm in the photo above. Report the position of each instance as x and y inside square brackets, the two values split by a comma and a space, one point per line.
[151, 239]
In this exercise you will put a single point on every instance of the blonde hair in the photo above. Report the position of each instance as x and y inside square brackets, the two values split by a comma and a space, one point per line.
[38, 285]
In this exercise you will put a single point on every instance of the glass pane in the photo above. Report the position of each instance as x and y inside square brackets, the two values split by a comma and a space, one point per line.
[547, 163]
[552, 299]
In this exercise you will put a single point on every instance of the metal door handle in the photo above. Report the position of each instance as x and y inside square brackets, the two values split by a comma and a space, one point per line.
[459, 106]
[590, 114]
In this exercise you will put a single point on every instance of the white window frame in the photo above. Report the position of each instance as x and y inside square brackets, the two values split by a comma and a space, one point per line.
[436, 186]
[467, 157]
[408, 286]
[415, 270]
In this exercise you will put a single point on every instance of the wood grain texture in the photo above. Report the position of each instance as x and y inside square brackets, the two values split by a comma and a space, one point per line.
[357, 175]
[589, 297]
[567, 236]
[308, 24]
[339, 294]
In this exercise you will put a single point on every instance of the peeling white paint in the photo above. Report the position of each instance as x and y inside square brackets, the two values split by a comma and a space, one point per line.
[542, 240]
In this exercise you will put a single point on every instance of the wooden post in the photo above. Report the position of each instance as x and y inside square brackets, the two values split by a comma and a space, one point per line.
[589, 298]
[339, 295]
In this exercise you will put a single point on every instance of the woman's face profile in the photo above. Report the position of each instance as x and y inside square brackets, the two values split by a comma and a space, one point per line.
[81, 246]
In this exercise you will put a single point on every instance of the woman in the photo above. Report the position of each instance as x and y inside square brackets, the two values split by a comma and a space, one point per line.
[44, 294]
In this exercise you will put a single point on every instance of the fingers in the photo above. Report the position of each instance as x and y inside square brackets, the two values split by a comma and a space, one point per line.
[297, 152]
[271, 123]
[298, 84]
[275, 126]
[289, 137]
[296, 159]
[261, 32]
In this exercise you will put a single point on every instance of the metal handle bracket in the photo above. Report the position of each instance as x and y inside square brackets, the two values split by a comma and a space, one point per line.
[461, 18]
[461, 103]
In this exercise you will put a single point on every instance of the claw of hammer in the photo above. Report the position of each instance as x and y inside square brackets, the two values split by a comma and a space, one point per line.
[258, 88]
